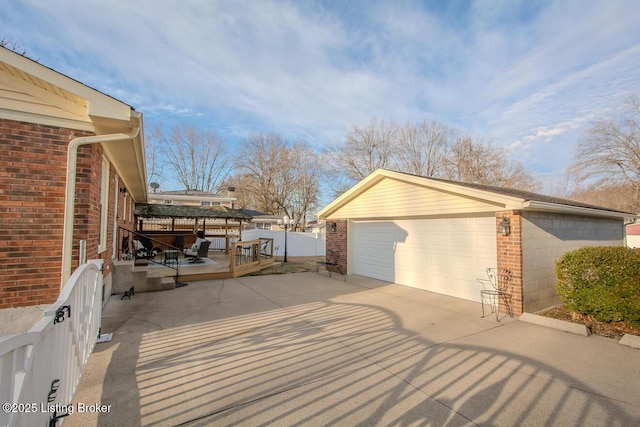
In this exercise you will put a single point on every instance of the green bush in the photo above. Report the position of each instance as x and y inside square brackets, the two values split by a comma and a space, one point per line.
[602, 281]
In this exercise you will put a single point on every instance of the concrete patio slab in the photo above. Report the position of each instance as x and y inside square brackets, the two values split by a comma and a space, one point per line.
[305, 349]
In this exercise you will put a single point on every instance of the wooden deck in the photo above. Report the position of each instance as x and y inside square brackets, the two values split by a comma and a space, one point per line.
[220, 268]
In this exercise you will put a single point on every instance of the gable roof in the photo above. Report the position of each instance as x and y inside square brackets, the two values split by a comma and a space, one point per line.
[34, 93]
[498, 197]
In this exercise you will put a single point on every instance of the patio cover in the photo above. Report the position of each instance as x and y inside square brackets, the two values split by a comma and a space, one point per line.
[181, 211]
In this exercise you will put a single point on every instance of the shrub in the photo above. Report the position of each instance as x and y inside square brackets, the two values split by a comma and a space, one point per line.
[602, 281]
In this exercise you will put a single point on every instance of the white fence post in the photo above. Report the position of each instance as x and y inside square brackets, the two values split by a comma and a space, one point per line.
[40, 369]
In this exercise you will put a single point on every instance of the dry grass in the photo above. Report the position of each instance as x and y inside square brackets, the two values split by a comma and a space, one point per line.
[293, 265]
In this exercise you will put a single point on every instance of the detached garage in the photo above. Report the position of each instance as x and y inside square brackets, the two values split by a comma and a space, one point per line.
[441, 235]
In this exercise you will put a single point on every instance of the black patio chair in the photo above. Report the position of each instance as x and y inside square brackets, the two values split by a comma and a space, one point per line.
[203, 252]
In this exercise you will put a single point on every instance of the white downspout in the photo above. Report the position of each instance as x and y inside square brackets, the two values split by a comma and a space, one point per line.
[70, 192]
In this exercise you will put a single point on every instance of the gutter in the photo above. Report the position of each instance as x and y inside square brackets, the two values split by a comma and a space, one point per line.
[70, 192]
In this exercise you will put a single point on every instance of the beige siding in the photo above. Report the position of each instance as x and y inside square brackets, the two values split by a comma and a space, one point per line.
[26, 98]
[393, 199]
[20, 102]
[545, 238]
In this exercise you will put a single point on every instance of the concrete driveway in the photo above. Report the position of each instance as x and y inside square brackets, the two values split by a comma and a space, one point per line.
[305, 349]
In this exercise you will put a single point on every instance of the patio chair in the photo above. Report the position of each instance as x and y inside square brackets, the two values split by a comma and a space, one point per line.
[179, 242]
[202, 252]
[143, 248]
[497, 287]
[125, 249]
[331, 262]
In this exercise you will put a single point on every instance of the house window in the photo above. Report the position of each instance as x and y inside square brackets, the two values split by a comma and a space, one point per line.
[168, 202]
[205, 203]
[104, 205]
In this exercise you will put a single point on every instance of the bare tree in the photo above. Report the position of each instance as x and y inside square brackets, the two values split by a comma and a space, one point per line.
[364, 150]
[198, 159]
[618, 197]
[422, 149]
[153, 159]
[369, 148]
[277, 177]
[15, 48]
[258, 169]
[609, 153]
[478, 163]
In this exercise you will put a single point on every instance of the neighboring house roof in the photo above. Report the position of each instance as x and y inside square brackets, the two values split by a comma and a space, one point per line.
[193, 193]
[31, 92]
[498, 198]
[181, 211]
[261, 215]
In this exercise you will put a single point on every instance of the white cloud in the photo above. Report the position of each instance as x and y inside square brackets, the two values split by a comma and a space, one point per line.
[528, 74]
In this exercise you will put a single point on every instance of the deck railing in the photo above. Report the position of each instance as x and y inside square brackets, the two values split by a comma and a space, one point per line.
[40, 369]
[250, 255]
[152, 250]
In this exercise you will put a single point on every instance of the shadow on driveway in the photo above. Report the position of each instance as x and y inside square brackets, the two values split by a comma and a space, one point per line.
[307, 350]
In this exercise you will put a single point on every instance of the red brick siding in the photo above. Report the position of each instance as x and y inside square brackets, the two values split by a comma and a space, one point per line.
[87, 208]
[336, 245]
[509, 254]
[32, 190]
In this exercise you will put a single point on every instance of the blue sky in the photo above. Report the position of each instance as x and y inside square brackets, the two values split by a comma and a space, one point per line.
[527, 75]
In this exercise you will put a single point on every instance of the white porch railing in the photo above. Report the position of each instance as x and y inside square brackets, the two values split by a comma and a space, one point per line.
[40, 369]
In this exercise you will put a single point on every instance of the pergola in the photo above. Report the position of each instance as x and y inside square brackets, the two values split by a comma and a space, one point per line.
[197, 213]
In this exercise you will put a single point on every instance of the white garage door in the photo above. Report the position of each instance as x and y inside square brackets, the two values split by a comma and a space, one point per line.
[441, 255]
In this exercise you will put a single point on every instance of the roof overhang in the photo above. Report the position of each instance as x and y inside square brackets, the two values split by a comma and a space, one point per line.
[501, 202]
[532, 205]
[498, 201]
[34, 93]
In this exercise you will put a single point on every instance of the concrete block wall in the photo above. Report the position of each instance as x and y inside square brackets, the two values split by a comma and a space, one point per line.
[546, 237]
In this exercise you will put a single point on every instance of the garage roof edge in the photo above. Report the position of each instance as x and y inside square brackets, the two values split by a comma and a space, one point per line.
[511, 198]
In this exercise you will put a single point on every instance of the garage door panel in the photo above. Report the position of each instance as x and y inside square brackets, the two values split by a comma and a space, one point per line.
[439, 255]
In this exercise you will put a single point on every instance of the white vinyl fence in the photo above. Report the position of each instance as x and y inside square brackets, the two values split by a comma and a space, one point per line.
[298, 243]
[40, 369]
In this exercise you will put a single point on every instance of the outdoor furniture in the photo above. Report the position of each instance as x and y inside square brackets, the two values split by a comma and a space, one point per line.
[179, 242]
[125, 249]
[143, 248]
[170, 255]
[331, 260]
[495, 288]
[202, 252]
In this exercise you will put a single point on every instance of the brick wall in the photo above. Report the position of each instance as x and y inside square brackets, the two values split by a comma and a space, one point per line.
[509, 255]
[32, 190]
[337, 244]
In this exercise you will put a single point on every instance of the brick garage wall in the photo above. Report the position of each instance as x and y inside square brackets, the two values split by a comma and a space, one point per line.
[32, 186]
[546, 237]
[337, 244]
[509, 255]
